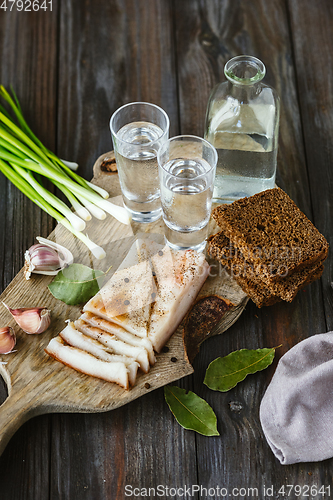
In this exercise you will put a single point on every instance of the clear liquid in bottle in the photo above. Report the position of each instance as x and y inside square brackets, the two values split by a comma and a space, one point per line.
[242, 123]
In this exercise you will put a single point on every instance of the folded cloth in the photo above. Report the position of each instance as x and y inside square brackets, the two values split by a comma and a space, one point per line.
[296, 412]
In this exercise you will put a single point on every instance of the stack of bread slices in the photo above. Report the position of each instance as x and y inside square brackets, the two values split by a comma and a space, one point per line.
[268, 246]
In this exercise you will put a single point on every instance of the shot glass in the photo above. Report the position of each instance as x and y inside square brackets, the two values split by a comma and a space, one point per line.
[138, 130]
[187, 166]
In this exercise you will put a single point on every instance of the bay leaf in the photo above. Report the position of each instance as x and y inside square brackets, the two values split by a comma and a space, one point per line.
[75, 284]
[224, 373]
[190, 411]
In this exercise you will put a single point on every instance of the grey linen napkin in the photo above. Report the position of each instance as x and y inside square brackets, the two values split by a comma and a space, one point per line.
[296, 412]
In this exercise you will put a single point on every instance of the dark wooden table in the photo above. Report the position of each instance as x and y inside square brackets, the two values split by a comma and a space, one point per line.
[71, 68]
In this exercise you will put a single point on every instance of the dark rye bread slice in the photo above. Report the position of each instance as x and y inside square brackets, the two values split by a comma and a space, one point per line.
[272, 233]
[220, 248]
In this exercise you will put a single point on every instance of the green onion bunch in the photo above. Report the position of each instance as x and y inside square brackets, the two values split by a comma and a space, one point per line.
[24, 160]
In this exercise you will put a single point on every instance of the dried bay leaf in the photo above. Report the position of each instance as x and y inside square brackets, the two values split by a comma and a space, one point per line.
[224, 373]
[75, 284]
[190, 411]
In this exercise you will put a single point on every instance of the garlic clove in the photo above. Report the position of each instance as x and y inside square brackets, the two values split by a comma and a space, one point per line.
[31, 319]
[43, 258]
[7, 340]
[46, 257]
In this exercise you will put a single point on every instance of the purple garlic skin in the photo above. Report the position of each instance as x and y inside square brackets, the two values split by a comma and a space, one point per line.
[46, 257]
[32, 320]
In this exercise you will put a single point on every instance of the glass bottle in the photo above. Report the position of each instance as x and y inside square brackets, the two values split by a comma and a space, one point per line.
[242, 122]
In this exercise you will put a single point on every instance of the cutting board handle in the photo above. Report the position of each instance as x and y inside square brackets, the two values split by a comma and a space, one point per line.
[14, 411]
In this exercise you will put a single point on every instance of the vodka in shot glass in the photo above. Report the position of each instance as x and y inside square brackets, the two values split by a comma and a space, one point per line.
[138, 130]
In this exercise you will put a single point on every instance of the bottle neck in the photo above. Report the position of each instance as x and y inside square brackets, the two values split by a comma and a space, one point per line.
[244, 74]
[243, 93]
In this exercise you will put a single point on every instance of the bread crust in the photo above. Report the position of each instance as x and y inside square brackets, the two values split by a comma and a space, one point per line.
[272, 234]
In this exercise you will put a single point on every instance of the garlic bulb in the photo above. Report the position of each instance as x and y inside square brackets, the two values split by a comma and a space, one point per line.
[7, 340]
[31, 319]
[46, 257]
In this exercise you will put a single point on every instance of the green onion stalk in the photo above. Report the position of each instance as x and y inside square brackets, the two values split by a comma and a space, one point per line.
[24, 160]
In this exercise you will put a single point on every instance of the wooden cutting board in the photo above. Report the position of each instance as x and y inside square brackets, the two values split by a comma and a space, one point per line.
[38, 384]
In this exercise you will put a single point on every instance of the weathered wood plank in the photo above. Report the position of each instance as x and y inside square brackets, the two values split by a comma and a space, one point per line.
[29, 64]
[138, 445]
[208, 34]
[113, 53]
[313, 46]
[110, 54]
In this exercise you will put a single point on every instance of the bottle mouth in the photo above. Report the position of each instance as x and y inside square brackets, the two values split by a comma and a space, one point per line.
[244, 70]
